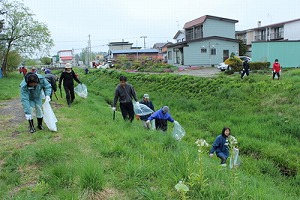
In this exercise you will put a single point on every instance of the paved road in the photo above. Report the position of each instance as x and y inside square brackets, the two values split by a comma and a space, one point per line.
[203, 71]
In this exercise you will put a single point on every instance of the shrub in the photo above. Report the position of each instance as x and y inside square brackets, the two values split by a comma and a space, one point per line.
[235, 63]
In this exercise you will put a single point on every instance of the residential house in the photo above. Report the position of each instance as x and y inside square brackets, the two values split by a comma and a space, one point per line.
[275, 41]
[119, 45]
[134, 54]
[66, 56]
[207, 41]
[162, 50]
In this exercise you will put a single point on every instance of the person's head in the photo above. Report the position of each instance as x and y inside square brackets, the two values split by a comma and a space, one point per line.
[123, 80]
[146, 97]
[165, 109]
[276, 60]
[226, 131]
[33, 69]
[68, 67]
[31, 79]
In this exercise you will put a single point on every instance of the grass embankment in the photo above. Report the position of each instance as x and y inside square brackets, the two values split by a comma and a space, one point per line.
[92, 156]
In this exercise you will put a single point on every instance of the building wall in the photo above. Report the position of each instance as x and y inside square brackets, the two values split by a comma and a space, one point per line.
[287, 52]
[292, 31]
[193, 55]
[213, 27]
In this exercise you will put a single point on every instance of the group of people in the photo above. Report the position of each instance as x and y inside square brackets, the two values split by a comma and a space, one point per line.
[125, 94]
[276, 69]
[34, 85]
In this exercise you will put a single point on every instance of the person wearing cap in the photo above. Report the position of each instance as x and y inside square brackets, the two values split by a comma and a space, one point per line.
[31, 89]
[161, 116]
[68, 76]
[34, 70]
[125, 93]
[146, 101]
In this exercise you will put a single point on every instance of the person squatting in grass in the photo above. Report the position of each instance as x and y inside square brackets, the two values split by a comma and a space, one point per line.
[52, 79]
[31, 89]
[146, 101]
[276, 69]
[125, 93]
[161, 116]
[68, 76]
[221, 146]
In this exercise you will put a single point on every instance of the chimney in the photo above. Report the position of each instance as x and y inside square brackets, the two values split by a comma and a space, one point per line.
[259, 24]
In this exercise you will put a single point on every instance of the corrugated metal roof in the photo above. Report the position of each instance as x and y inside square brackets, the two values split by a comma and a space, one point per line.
[127, 51]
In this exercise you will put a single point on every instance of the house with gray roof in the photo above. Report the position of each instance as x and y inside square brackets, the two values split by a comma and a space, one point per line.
[207, 41]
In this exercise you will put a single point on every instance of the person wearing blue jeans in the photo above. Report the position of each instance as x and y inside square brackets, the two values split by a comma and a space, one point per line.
[221, 146]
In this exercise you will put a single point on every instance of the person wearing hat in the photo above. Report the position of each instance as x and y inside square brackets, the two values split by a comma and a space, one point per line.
[68, 76]
[161, 116]
[31, 89]
[146, 101]
[34, 70]
[125, 93]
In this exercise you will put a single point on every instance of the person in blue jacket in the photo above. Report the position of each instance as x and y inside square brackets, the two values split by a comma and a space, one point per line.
[161, 116]
[31, 89]
[221, 146]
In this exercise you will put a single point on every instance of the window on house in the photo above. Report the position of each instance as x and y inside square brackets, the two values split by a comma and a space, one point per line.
[203, 50]
[213, 51]
[169, 55]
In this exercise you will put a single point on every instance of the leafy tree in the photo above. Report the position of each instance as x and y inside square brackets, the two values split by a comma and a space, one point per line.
[14, 59]
[22, 33]
[46, 60]
[242, 48]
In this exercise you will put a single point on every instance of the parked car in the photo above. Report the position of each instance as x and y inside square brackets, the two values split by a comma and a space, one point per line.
[222, 66]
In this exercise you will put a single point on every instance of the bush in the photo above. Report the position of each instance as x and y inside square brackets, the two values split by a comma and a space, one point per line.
[259, 65]
[235, 63]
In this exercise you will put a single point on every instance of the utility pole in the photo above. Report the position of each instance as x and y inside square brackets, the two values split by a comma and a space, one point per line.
[89, 51]
[144, 41]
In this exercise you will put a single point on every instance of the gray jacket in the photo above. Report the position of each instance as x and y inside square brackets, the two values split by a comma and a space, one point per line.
[124, 95]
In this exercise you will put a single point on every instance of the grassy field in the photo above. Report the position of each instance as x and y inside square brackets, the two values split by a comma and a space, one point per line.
[92, 156]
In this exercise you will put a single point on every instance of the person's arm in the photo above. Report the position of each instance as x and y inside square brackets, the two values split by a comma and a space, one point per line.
[75, 77]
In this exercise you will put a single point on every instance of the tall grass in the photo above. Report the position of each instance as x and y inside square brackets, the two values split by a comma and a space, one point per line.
[92, 156]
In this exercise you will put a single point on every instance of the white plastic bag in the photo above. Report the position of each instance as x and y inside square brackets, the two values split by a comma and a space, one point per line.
[81, 90]
[49, 116]
[178, 131]
[235, 159]
[141, 109]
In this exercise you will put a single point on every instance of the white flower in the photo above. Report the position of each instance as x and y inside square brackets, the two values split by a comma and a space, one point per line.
[181, 187]
[201, 143]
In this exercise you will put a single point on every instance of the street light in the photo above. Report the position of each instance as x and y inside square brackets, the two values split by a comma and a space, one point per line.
[144, 41]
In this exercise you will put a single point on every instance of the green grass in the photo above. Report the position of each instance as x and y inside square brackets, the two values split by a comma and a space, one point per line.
[93, 157]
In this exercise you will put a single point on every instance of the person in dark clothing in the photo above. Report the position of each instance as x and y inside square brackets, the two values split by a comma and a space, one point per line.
[68, 76]
[146, 101]
[125, 93]
[245, 68]
[86, 70]
[51, 78]
[221, 146]
[161, 116]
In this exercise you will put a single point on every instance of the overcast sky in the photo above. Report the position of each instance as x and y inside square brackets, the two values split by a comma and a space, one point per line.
[71, 22]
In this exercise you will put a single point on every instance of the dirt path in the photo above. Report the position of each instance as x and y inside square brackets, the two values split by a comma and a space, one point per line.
[12, 114]
[204, 72]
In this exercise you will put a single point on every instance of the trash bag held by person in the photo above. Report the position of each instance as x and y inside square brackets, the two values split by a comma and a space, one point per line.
[30, 89]
[125, 92]
[67, 77]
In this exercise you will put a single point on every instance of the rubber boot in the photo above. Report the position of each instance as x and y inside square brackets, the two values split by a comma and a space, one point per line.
[31, 126]
[40, 123]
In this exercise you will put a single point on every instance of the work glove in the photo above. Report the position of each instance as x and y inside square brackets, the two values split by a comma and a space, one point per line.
[211, 154]
[28, 117]
[175, 121]
[148, 121]
[137, 117]
[114, 108]
[80, 83]
[47, 99]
